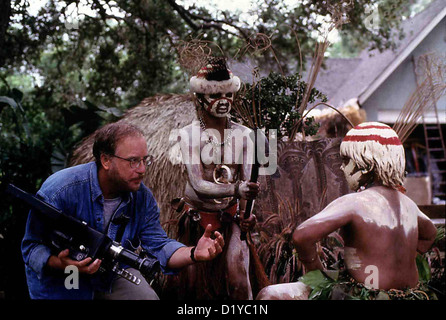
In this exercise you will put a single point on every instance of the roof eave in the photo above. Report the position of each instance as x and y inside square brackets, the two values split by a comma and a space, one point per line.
[401, 57]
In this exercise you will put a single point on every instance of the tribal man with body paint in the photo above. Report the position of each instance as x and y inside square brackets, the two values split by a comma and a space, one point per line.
[218, 170]
[381, 227]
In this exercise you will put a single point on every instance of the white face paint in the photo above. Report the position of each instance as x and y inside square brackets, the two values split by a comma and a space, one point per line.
[219, 105]
[351, 176]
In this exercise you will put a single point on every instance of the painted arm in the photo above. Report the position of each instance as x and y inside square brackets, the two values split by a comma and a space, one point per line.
[426, 233]
[190, 150]
[191, 153]
[336, 215]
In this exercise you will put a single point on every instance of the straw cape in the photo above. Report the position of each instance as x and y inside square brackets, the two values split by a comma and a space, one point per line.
[158, 117]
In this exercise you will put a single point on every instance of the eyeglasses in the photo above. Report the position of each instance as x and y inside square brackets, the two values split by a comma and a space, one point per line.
[136, 162]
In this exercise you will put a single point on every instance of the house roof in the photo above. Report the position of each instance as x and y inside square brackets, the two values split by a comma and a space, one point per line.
[343, 79]
[361, 77]
[334, 73]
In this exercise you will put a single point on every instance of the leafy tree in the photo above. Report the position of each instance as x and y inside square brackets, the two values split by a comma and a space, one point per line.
[117, 53]
[277, 98]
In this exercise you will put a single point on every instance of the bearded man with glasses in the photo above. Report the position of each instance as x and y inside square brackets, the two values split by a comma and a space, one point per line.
[104, 194]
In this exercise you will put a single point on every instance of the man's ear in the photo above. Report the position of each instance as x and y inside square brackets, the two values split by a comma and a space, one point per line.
[105, 161]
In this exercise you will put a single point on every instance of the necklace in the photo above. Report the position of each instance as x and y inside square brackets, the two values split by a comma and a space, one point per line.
[211, 138]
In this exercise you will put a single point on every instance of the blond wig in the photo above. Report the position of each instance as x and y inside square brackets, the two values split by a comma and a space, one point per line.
[375, 147]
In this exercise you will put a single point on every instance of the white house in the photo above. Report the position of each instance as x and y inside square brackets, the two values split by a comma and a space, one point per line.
[382, 82]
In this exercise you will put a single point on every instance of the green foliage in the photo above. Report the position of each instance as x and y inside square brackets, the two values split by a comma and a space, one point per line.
[320, 284]
[285, 21]
[326, 285]
[277, 98]
[440, 236]
[424, 269]
[33, 133]
[106, 58]
[123, 51]
[26, 138]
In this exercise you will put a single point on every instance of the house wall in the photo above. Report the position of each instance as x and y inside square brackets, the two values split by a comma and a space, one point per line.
[386, 102]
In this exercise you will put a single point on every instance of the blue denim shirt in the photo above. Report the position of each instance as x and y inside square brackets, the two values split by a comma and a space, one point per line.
[76, 192]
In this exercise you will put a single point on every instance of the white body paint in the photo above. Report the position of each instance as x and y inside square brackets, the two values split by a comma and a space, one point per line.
[379, 211]
[352, 178]
[285, 291]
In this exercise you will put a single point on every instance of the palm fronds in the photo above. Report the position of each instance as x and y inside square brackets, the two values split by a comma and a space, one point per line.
[276, 250]
[338, 14]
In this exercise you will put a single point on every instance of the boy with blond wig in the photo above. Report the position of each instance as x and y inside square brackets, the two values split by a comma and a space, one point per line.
[383, 230]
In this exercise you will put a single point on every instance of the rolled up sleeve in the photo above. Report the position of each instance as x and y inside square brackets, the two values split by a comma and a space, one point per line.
[34, 253]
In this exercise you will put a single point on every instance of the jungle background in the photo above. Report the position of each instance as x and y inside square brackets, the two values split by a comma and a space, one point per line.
[68, 67]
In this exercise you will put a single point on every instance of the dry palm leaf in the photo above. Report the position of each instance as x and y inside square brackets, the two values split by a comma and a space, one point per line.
[431, 88]
[338, 13]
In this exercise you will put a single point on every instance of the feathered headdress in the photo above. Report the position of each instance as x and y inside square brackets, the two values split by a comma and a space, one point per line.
[215, 77]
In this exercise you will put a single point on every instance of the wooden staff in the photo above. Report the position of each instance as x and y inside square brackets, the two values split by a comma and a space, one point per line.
[254, 178]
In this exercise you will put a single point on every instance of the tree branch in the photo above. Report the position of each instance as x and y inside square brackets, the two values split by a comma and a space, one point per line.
[183, 14]
[208, 23]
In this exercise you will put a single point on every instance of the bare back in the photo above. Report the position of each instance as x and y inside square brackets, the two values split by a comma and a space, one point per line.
[382, 238]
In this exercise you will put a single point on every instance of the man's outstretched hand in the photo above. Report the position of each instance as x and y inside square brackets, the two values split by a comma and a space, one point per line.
[209, 247]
